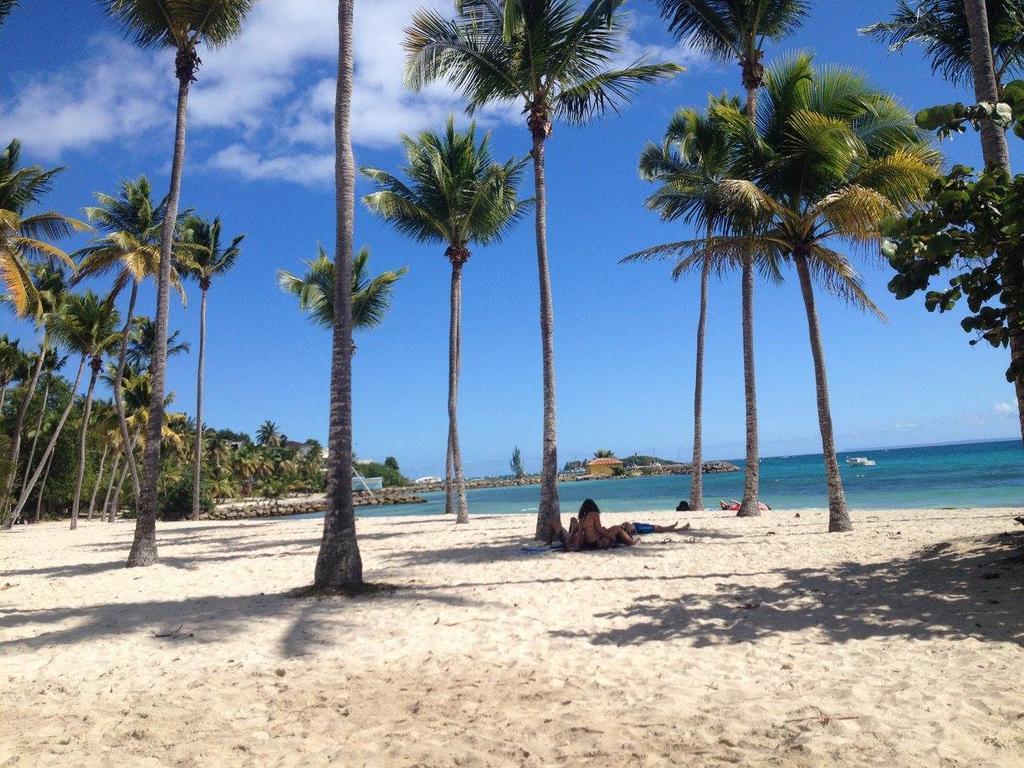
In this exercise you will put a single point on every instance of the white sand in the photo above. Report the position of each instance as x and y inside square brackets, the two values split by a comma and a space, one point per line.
[753, 642]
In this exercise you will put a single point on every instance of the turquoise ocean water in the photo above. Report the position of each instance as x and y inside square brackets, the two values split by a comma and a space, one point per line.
[986, 474]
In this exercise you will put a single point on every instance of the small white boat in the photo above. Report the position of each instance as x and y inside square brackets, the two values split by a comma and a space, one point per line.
[860, 461]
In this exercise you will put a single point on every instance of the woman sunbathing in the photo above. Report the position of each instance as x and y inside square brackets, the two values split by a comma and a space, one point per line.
[734, 506]
[586, 532]
[643, 529]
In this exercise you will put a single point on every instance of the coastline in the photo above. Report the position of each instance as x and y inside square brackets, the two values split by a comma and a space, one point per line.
[756, 641]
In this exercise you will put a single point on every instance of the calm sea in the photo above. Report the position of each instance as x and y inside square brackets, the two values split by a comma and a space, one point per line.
[987, 474]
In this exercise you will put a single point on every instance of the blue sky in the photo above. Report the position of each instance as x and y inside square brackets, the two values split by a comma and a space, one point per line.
[260, 157]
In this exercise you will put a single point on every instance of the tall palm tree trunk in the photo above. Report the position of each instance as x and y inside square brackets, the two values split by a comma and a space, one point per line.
[549, 509]
[697, 470]
[197, 466]
[838, 515]
[39, 424]
[986, 84]
[19, 426]
[122, 357]
[83, 433]
[99, 480]
[339, 565]
[997, 155]
[749, 506]
[115, 505]
[143, 550]
[454, 369]
[3, 397]
[449, 478]
[30, 484]
[41, 493]
[110, 487]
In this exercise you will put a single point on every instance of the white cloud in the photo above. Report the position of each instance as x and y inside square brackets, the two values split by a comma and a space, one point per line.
[303, 168]
[119, 93]
[1004, 410]
[272, 87]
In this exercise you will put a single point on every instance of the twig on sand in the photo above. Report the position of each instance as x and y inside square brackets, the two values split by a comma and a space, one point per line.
[175, 633]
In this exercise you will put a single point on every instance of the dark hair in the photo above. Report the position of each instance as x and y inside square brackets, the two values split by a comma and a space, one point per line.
[588, 506]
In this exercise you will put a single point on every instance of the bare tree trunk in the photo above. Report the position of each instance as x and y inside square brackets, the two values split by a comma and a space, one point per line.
[997, 155]
[3, 397]
[122, 356]
[30, 484]
[115, 506]
[42, 487]
[986, 84]
[19, 426]
[449, 478]
[143, 550]
[197, 467]
[110, 487]
[39, 424]
[83, 433]
[549, 509]
[750, 506]
[339, 565]
[454, 369]
[697, 470]
[838, 515]
[99, 480]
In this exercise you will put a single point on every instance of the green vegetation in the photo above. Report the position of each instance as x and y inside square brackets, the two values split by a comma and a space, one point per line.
[516, 465]
[393, 478]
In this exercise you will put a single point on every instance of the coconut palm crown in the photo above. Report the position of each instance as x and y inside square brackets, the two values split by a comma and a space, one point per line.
[371, 297]
[734, 29]
[827, 159]
[455, 195]
[24, 239]
[941, 28]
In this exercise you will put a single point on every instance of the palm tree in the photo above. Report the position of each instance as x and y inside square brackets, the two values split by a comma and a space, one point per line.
[338, 564]
[315, 290]
[204, 258]
[951, 31]
[183, 26]
[131, 225]
[78, 326]
[969, 41]
[457, 196]
[268, 435]
[142, 344]
[90, 328]
[690, 162]
[828, 158]
[556, 64]
[738, 29]
[12, 361]
[49, 287]
[6, 6]
[23, 238]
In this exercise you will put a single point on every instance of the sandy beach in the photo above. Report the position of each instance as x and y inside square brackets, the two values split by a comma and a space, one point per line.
[748, 642]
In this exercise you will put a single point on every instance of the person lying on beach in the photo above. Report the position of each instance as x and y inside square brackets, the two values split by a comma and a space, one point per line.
[586, 532]
[644, 529]
[734, 506]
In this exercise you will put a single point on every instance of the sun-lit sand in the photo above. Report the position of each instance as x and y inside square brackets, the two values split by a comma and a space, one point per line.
[751, 642]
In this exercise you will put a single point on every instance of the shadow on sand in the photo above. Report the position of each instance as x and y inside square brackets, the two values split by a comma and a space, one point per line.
[974, 590]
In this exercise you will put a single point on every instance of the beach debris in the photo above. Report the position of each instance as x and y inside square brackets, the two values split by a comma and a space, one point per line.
[176, 632]
[280, 672]
[797, 515]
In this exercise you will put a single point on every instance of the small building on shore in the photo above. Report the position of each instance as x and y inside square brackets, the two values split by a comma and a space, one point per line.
[603, 467]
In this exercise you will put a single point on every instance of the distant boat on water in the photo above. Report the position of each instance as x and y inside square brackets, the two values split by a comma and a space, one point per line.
[860, 461]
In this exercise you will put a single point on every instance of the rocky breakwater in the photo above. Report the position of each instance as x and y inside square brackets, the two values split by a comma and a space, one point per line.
[246, 509]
